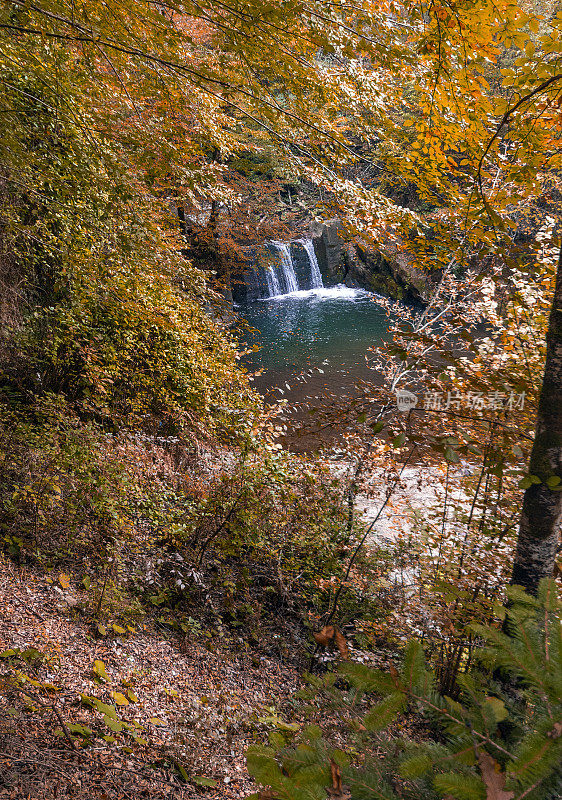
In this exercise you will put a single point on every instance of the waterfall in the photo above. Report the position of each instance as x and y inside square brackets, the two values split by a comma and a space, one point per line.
[289, 281]
[281, 278]
[273, 286]
[315, 274]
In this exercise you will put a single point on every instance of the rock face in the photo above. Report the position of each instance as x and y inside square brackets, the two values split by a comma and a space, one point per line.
[358, 264]
[301, 265]
[330, 250]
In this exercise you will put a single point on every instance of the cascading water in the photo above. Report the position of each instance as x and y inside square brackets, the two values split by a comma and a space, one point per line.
[305, 339]
[288, 281]
[315, 274]
[272, 278]
[281, 278]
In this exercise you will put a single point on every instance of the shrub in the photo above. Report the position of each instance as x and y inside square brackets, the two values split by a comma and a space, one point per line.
[501, 740]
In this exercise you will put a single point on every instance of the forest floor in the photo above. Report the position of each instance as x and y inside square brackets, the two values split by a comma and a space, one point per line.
[199, 701]
[199, 710]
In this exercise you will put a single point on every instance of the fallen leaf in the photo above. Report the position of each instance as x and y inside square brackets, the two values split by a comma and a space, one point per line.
[394, 675]
[336, 775]
[325, 636]
[64, 581]
[119, 698]
[493, 778]
[341, 644]
[337, 790]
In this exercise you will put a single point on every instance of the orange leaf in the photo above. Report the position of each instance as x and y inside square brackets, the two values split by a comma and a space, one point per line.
[341, 644]
[325, 636]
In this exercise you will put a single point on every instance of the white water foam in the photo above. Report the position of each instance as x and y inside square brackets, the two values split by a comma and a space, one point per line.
[339, 292]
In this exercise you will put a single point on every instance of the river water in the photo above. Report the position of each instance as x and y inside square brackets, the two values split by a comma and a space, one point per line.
[312, 342]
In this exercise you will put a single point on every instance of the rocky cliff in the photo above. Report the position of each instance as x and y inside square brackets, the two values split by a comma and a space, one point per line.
[354, 262]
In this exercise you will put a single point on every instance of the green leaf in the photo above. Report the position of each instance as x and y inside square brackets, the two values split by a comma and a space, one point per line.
[99, 671]
[113, 724]
[103, 708]
[451, 455]
[499, 711]
[181, 771]
[119, 698]
[80, 730]
[200, 780]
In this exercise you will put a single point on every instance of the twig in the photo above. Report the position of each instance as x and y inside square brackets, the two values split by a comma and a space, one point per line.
[53, 708]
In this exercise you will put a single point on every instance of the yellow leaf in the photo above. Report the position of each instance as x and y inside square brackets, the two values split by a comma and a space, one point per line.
[64, 581]
[99, 670]
[119, 698]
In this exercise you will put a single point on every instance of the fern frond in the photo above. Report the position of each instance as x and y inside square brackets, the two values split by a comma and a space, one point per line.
[414, 675]
[536, 756]
[263, 767]
[416, 766]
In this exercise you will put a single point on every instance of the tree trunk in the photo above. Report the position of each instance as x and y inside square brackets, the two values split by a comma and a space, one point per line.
[541, 516]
